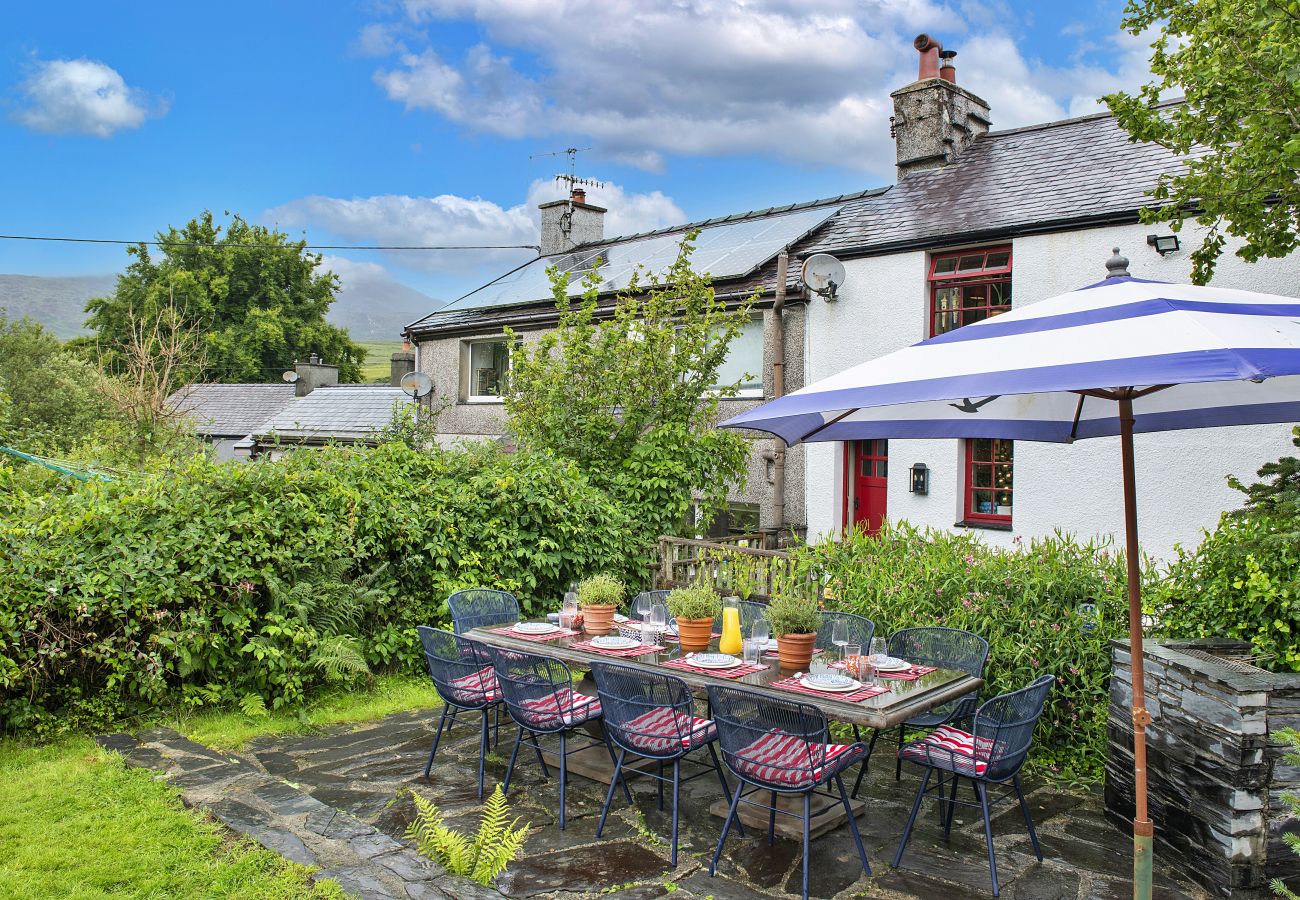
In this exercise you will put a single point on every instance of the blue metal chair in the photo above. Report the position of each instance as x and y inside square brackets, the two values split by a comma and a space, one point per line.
[990, 753]
[944, 648]
[476, 607]
[777, 746]
[463, 677]
[860, 630]
[539, 696]
[652, 715]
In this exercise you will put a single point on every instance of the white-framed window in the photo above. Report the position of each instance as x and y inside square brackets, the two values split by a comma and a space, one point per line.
[487, 370]
[744, 362]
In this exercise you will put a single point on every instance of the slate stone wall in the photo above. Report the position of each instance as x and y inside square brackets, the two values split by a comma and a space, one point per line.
[1215, 764]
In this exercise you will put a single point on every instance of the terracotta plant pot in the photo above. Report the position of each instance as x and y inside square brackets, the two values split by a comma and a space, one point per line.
[598, 620]
[795, 651]
[695, 634]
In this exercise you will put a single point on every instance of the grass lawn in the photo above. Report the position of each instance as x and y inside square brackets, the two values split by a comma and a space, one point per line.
[75, 823]
[378, 364]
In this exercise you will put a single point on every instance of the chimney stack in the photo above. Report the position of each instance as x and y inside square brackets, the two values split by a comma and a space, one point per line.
[313, 374]
[934, 120]
[568, 223]
[400, 365]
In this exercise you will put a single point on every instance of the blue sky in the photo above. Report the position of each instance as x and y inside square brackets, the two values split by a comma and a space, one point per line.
[414, 122]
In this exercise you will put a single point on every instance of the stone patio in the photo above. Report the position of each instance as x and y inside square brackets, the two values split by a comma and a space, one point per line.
[339, 800]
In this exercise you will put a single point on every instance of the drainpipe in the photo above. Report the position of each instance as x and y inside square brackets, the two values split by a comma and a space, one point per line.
[778, 390]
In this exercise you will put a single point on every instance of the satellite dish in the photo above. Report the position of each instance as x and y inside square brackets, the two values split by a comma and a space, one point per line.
[823, 274]
[417, 384]
[291, 376]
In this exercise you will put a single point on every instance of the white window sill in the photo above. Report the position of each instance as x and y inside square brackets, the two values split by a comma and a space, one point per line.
[487, 400]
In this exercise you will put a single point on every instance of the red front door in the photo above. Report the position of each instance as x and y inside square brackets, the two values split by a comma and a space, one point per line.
[870, 477]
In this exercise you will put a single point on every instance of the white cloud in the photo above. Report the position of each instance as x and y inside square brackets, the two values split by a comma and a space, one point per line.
[450, 220]
[805, 80]
[82, 96]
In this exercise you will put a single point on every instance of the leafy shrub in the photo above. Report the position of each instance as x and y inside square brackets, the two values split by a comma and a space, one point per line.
[1243, 580]
[221, 583]
[481, 858]
[1052, 605]
[601, 590]
[793, 610]
[694, 602]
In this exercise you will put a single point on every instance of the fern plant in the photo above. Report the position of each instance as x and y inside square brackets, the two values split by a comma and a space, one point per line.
[480, 858]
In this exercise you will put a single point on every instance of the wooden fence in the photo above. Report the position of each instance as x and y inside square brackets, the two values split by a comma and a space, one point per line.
[730, 565]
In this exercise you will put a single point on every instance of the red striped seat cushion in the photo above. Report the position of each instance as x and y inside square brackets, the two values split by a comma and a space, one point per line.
[780, 758]
[665, 729]
[565, 705]
[947, 746]
[476, 687]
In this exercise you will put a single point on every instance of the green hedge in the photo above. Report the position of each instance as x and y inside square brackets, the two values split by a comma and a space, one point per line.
[1025, 603]
[257, 583]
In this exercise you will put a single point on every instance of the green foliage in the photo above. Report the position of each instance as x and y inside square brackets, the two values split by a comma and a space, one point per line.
[793, 609]
[257, 297]
[601, 590]
[75, 822]
[1243, 580]
[1293, 801]
[49, 396]
[1028, 603]
[209, 582]
[628, 392]
[481, 858]
[1237, 134]
[694, 602]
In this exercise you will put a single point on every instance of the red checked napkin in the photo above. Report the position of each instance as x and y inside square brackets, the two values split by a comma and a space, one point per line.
[638, 650]
[552, 636]
[739, 671]
[867, 692]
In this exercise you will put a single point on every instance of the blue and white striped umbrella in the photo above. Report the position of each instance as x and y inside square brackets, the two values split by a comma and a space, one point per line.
[1229, 357]
[1118, 357]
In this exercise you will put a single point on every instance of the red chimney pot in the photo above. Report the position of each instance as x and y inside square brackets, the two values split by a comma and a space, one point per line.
[579, 195]
[947, 68]
[929, 49]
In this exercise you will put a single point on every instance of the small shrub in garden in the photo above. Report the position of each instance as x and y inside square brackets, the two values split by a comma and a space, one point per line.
[601, 590]
[694, 602]
[480, 858]
[1051, 605]
[793, 612]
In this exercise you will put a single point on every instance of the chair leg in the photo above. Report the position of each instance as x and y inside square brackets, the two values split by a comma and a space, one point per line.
[853, 825]
[609, 747]
[1029, 821]
[659, 784]
[722, 780]
[771, 822]
[537, 748]
[898, 760]
[911, 819]
[677, 784]
[807, 818]
[988, 833]
[866, 761]
[483, 751]
[564, 775]
[609, 795]
[496, 728]
[726, 826]
[514, 754]
[428, 766]
[952, 807]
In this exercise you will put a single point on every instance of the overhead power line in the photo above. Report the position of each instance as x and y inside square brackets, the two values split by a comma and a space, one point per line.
[75, 240]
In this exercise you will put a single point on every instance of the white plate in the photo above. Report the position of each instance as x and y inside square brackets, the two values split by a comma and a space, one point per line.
[806, 681]
[892, 664]
[613, 642]
[832, 681]
[535, 627]
[619, 617]
[715, 661]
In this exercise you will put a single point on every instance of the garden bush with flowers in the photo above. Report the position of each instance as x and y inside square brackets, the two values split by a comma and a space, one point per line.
[1049, 605]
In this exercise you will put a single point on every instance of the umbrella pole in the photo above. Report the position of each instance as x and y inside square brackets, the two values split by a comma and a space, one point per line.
[1142, 827]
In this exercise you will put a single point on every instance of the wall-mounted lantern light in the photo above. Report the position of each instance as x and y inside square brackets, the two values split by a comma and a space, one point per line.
[1164, 243]
[920, 479]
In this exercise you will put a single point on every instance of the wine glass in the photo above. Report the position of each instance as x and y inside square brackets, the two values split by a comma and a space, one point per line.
[641, 607]
[840, 634]
[658, 616]
[760, 631]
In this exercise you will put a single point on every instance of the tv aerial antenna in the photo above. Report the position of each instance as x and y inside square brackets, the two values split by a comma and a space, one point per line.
[570, 179]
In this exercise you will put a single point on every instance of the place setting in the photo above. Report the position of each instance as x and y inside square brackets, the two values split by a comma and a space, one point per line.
[617, 645]
[723, 665]
[536, 631]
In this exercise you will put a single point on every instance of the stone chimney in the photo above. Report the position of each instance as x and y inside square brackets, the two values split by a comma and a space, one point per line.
[568, 223]
[934, 120]
[401, 364]
[313, 374]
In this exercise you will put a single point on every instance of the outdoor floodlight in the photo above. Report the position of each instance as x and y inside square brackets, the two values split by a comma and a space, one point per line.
[1164, 243]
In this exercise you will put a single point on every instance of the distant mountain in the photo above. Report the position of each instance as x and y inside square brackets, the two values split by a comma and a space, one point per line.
[57, 303]
[371, 306]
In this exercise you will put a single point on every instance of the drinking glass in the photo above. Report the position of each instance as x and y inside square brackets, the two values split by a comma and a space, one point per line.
[818, 665]
[760, 631]
[754, 649]
[840, 634]
[878, 648]
[852, 659]
[641, 608]
[658, 616]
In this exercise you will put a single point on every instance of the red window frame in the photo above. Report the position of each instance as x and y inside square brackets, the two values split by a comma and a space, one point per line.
[968, 272]
[987, 474]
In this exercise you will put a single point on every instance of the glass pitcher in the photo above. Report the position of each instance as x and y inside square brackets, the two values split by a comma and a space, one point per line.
[731, 641]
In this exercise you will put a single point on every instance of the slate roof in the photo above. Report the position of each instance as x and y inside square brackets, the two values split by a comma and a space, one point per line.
[231, 410]
[345, 413]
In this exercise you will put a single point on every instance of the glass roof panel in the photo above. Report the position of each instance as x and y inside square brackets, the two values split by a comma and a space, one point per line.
[726, 250]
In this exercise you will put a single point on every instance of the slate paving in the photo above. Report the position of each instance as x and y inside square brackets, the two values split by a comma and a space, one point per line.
[340, 800]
